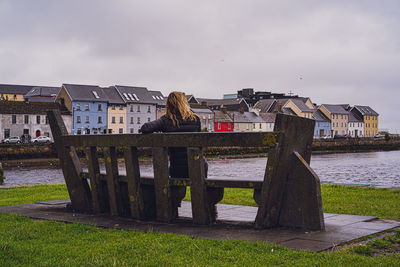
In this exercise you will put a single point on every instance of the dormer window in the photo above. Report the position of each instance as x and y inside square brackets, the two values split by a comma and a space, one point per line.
[96, 95]
[135, 96]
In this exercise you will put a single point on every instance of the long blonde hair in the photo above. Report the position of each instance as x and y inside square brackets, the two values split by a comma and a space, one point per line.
[177, 104]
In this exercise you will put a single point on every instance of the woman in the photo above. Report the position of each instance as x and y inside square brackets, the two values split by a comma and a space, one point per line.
[179, 118]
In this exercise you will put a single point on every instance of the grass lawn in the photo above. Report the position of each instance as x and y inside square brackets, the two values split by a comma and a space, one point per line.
[25, 242]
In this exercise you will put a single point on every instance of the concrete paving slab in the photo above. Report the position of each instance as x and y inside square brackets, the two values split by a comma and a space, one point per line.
[234, 222]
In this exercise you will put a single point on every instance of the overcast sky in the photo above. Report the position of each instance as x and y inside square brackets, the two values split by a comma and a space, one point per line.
[331, 51]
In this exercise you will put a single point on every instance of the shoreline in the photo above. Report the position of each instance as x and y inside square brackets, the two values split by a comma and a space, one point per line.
[54, 162]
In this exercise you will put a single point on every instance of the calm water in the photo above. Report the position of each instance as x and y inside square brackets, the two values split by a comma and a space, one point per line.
[376, 168]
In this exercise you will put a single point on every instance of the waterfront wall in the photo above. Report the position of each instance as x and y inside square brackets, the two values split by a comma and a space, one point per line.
[32, 151]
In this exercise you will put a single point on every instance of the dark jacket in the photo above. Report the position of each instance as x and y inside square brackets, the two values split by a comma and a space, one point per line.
[177, 155]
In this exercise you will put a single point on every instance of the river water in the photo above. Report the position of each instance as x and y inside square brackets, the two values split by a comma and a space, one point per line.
[370, 168]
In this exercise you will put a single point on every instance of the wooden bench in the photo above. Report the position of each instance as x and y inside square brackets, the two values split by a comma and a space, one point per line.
[289, 195]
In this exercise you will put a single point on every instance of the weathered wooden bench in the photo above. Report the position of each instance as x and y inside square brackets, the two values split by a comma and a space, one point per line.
[289, 195]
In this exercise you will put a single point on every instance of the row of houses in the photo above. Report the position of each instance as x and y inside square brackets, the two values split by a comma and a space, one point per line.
[91, 109]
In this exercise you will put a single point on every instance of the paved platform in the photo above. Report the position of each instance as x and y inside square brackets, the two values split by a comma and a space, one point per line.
[234, 222]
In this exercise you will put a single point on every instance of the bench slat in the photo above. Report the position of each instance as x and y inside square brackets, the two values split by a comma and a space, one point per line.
[135, 194]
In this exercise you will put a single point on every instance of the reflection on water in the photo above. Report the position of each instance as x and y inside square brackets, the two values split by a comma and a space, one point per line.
[377, 168]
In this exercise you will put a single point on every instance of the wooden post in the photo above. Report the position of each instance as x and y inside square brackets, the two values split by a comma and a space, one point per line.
[110, 158]
[198, 189]
[96, 186]
[78, 188]
[296, 136]
[162, 188]
[134, 189]
[302, 202]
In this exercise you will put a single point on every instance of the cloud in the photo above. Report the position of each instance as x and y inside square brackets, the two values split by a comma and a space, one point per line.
[345, 51]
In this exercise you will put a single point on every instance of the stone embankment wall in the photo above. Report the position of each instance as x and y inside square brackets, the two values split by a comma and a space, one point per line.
[26, 151]
[355, 144]
[31, 151]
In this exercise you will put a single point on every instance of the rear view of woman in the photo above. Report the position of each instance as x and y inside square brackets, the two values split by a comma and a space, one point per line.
[178, 118]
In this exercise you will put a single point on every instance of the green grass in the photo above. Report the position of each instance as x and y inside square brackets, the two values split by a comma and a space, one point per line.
[25, 242]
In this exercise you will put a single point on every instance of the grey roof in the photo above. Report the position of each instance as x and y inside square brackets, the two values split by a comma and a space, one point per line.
[15, 89]
[198, 108]
[43, 91]
[353, 117]
[268, 116]
[79, 92]
[225, 102]
[158, 98]
[288, 111]
[113, 96]
[335, 109]
[249, 117]
[133, 94]
[319, 116]
[301, 105]
[220, 116]
[265, 104]
[21, 107]
[366, 110]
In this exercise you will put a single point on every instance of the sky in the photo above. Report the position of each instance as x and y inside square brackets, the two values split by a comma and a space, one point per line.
[335, 52]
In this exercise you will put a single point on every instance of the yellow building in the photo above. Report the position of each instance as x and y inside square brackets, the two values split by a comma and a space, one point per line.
[13, 92]
[299, 107]
[116, 112]
[339, 118]
[370, 119]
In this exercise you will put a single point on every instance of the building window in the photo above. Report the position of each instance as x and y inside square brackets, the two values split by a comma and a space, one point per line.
[138, 120]
[26, 131]
[78, 119]
[121, 107]
[15, 97]
[87, 107]
[38, 119]
[131, 120]
[254, 125]
[219, 126]
[113, 120]
[100, 119]
[131, 108]
[148, 119]
[229, 126]
[113, 107]
[260, 126]
[131, 130]
[99, 107]
[120, 130]
[13, 119]
[26, 119]
[138, 108]
[47, 120]
[121, 119]
[78, 106]
[148, 109]
[87, 120]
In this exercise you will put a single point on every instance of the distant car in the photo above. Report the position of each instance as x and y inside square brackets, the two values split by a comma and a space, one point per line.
[378, 136]
[327, 137]
[338, 136]
[41, 139]
[12, 140]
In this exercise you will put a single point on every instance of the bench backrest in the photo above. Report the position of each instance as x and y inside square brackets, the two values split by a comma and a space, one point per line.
[289, 195]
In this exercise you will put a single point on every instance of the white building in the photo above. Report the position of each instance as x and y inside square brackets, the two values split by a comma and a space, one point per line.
[356, 125]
